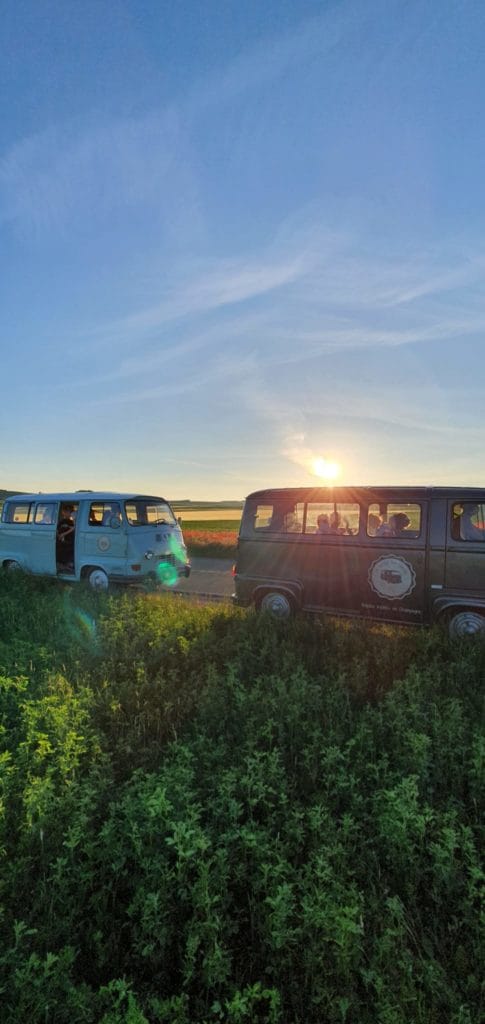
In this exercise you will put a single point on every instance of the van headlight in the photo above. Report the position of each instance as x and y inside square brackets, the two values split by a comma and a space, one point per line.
[148, 554]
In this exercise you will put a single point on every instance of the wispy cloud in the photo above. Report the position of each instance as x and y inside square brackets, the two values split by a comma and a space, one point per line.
[77, 172]
[81, 168]
[228, 283]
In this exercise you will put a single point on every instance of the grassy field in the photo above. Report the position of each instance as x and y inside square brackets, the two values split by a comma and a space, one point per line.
[215, 538]
[209, 817]
[212, 515]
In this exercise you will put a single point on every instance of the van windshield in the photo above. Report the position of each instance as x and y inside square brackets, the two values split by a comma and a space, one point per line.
[142, 512]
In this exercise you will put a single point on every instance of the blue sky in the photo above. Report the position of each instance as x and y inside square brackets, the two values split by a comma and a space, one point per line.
[238, 237]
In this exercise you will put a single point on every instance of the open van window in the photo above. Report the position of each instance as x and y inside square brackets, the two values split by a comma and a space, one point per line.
[336, 518]
[391, 519]
[102, 512]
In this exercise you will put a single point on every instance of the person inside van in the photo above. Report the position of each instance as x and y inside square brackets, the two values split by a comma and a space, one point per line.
[399, 522]
[385, 529]
[65, 537]
[469, 530]
[323, 525]
[290, 523]
[374, 521]
[339, 525]
[113, 512]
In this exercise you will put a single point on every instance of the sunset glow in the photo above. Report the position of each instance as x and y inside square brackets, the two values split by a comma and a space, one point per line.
[326, 469]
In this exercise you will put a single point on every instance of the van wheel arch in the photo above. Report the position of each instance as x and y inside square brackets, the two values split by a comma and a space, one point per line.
[280, 603]
[11, 565]
[96, 577]
[464, 622]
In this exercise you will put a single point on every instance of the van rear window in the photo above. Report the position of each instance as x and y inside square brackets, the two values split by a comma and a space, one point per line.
[281, 517]
[16, 512]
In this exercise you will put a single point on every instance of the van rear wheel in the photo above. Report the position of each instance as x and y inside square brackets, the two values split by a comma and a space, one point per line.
[277, 604]
[98, 579]
[13, 566]
[466, 623]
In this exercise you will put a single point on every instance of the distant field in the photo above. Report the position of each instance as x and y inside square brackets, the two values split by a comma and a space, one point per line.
[215, 515]
[211, 525]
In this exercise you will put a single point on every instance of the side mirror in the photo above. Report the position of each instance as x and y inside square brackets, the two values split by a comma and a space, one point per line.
[179, 520]
[115, 523]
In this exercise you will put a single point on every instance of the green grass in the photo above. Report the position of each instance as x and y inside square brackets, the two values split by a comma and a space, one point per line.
[209, 817]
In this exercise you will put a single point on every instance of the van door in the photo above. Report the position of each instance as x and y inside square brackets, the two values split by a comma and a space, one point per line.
[465, 554]
[43, 538]
[99, 543]
[374, 565]
[332, 556]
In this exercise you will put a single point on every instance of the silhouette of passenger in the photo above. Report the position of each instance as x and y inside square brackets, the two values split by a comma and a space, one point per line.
[323, 525]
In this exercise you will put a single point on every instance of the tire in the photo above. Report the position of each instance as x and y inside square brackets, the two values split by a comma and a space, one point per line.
[97, 580]
[277, 604]
[13, 566]
[465, 624]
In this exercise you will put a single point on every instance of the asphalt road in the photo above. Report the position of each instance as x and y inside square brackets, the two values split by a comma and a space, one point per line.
[210, 579]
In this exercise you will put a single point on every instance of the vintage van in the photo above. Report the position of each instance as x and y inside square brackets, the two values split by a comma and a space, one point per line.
[99, 537]
[397, 554]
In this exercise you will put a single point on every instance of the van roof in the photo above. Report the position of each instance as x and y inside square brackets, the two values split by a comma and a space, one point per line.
[354, 493]
[76, 496]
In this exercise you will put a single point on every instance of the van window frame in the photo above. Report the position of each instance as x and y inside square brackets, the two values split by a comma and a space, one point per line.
[17, 504]
[250, 532]
[461, 543]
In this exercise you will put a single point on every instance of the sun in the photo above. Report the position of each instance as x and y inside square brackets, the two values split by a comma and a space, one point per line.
[326, 468]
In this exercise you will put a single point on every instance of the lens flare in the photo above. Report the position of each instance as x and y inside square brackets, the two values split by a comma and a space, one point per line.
[80, 625]
[176, 549]
[167, 574]
[326, 469]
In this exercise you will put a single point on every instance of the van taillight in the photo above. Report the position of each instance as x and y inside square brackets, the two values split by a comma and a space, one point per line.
[234, 569]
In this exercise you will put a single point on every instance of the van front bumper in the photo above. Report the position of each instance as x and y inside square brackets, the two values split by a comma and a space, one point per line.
[138, 579]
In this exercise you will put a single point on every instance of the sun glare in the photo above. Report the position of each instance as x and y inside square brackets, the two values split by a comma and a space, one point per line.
[326, 469]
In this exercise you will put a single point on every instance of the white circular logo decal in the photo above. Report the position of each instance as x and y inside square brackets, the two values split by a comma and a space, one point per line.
[103, 543]
[392, 577]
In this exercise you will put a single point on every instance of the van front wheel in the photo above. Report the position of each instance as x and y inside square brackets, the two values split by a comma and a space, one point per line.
[277, 604]
[466, 623]
[13, 566]
[98, 579]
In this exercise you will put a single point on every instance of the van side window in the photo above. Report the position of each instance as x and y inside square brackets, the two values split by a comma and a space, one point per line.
[339, 519]
[45, 513]
[291, 518]
[101, 512]
[262, 517]
[400, 519]
[18, 512]
[468, 521]
[284, 516]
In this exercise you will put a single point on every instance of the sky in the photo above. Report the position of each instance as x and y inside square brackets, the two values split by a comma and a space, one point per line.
[238, 240]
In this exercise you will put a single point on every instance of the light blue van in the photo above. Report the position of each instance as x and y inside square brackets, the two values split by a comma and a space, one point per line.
[99, 537]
